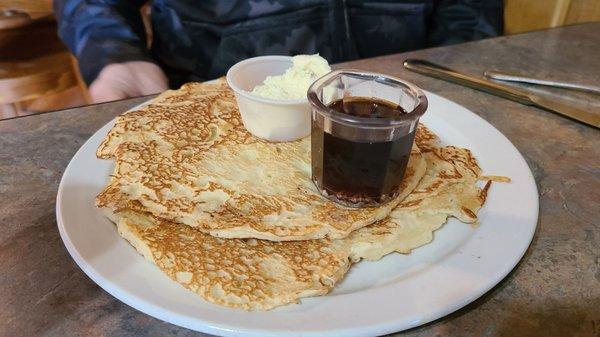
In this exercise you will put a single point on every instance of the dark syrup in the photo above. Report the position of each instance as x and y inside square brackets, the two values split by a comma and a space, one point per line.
[360, 173]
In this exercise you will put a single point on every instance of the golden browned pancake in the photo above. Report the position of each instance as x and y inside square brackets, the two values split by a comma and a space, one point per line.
[188, 159]
[448, 188]
[260, 275]
[249, 274]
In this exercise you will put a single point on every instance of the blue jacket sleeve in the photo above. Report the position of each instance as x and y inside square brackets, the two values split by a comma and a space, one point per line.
[100, 32]
[455, 21]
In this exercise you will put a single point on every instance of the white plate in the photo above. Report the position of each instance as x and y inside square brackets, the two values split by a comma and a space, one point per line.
[395, 293]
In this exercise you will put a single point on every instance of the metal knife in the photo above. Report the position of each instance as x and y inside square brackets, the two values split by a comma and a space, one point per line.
[502, 76]
[523, 97]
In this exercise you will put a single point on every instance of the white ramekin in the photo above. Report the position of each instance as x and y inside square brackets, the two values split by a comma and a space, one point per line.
[273, 120]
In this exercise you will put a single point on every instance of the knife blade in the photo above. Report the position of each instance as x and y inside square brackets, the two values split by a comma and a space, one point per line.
[523, 97]
[503, 76]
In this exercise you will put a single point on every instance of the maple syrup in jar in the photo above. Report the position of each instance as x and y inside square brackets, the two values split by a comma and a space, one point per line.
[360, 145]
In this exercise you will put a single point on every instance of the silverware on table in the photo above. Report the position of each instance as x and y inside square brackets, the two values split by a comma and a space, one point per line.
[502, 76]
[523, 97]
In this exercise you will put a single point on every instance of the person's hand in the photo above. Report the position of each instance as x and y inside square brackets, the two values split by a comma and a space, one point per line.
[129, 79]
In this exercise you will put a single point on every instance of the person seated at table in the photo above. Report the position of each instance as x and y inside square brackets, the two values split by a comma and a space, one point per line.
[200, 40]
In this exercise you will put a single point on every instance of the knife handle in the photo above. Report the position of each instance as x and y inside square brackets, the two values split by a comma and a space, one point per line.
[447, 74]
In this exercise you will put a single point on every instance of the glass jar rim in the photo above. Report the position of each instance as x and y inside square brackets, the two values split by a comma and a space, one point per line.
[339, 117]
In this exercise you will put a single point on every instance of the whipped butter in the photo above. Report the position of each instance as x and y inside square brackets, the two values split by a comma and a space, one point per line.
[294, 83]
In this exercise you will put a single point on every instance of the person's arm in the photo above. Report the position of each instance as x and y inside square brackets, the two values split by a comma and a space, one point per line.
[455, 21]
[107, 37]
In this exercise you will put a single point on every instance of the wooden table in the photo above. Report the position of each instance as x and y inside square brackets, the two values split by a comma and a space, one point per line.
[554, 291]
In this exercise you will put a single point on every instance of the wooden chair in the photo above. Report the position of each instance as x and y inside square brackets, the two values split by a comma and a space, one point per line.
[34, 9]
[35, 66]
[11, 19]
[41, 77]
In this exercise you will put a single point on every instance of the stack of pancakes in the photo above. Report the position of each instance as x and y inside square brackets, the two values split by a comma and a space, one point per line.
[238, 221]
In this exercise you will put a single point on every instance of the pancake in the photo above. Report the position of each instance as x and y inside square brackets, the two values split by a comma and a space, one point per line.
[187, 158]
[260, 274]
[449, 188]
[249, 274]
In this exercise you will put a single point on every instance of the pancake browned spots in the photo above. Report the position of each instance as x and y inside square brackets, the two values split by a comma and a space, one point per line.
[259, 275]
[187, 158]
